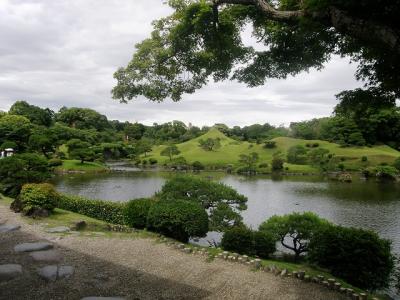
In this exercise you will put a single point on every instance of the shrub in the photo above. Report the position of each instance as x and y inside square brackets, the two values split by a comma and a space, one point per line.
[19, 169]
[238, 239]
[243, 240]
[264, 244]
[277, 162]
[297, 155]
[55, 162]
[36, 196]
[364, 159]
[263, 165]
[179, 219]
[381, 172]
[111, 212]
[396, 163]
[144, 162]
[358, 256]
[315, 145]
[270, 144]
[136, 211]
[197, 166]
[152, 161]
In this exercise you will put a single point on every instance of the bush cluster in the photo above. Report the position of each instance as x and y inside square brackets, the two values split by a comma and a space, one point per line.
[243, 240]
[38, 196]
[111, 212]
[358, 256]
[55, 162]
[179, 219]
[136, 211]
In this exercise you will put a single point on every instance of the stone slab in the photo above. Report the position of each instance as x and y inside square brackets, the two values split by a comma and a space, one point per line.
[29, 247]
[9, 271]
[59, 229]
[65, 271]
[46, 256]
[103, 298]
[9, 227]
[48, 273]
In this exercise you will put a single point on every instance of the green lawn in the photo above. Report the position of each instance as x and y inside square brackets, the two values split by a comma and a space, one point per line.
[230, 150]
[75, 165]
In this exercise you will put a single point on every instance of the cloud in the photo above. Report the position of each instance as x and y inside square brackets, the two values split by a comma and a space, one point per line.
[64, 53]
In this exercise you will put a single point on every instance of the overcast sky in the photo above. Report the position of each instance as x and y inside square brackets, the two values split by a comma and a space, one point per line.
[56, 53]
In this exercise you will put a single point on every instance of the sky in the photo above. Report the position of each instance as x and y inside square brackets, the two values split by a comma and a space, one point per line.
[64, 53]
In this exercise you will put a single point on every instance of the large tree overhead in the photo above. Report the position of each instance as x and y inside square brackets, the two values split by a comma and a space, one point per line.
[202, 40]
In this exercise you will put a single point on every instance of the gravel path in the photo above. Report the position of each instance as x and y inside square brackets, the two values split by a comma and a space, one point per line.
[137, 269]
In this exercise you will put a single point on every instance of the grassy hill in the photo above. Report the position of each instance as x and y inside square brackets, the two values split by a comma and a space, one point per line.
[230, 150]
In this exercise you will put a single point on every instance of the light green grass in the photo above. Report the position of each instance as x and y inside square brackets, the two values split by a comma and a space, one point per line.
[230, 151]
[75, 165]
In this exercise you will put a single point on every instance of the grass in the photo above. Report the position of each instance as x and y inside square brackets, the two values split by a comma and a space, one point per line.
[75, 165]
[230, 150]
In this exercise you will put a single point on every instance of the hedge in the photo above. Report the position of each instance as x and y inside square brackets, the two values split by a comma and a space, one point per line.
[136, 211]
[111, 212]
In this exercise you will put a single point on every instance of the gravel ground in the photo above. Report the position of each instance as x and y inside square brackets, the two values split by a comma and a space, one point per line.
[138, 269]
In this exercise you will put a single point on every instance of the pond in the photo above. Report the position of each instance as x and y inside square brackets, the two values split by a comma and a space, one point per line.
[364, 204]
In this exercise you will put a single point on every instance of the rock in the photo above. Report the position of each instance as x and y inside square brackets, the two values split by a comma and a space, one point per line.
[29, 247]
[9, 227]
[284, 272]
[9, 271]
[65, 271]
[48, 273]
[59, 229]
[46, 256]
[103, 298]
[38, 213]
[2, 221]
[301, 275]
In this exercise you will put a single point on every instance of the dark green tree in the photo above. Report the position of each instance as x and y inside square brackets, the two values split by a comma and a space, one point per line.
[80, 150]
[297, 155]
[15, 129]
[170, 151]
[210, 144]
[249, 160]
[202, 40]
[35, 114]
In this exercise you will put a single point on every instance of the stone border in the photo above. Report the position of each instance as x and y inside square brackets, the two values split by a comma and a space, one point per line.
[256, 265]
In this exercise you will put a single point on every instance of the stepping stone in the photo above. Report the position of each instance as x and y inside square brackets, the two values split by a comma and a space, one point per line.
[29, 247]
[46, 256]
[59, 229]
[8, 228]
[103, 298]
[48, 273]
[65, 271]
[9, 271]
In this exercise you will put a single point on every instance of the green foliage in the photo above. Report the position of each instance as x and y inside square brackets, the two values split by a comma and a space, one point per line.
[297, 227]
[16, 129]
[270, 144]
[35, 114]
[243, 240]
[277, 162]
[210, 144]
[38, 196]
[396, 163]
[152, 161]
[42, 143]
[297, 155]
[170, 151]
[19, 169]
[249, 161]
[382, 172]
[358, 256]
[221, 201]
[197, 166]
[364, 159]
[55, 162]
[80, 150]
[111, 212]
[179, 219]
[136, 211]
[82, 118]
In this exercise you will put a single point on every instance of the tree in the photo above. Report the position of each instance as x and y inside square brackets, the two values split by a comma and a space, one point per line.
[296, 227]
[41, 142]
[134, 131]
[396, 163]
[297, 155]
[35, 114]
[202, 40]
[144, 146]
[249, 161]
[277, 161]
[19, 169]
[82, 118]
[210, 144]
[222, 202]
[16, 129]
[79, 149]
[170, 151]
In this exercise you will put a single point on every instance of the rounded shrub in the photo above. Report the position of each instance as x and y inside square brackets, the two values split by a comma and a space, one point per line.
[152, 161]
[358, 256]
[238, 239]
[136, 211]
[179, 219]
[36, 196]
[264, 244]
[197, 166]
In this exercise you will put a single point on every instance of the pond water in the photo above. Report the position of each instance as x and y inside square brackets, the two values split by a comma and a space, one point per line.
[364, 204]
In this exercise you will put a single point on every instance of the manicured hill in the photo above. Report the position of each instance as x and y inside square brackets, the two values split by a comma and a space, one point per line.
[231, 149]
